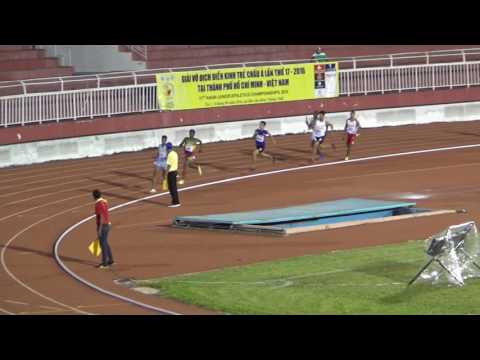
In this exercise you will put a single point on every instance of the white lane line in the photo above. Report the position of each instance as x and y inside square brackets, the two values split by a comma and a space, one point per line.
[40, 206]
[99, 305]
[58, 201]
[77, 181]
[237, 178]
[15, 302]
[144, 169]
[93, 286]
[43, 312]
[72, 168]
[59, 178]
[18, 281]
[65, 190]
[393, 172]
[139, 156]
[64, 199]
[51, 308]
[7, 194]
[7, 312]
[85, 163]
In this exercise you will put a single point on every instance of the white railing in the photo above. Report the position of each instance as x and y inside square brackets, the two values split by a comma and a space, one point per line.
[140, 98]
[409, 77]
[146, 76]
[75, 104]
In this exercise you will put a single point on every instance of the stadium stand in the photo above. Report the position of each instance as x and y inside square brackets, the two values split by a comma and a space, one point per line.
[160, 56]
[18, 62]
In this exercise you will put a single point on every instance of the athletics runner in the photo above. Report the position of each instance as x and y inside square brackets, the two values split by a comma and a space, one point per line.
[190, 146]
[160, 165]
[260, 143]
[319, 127]
[352, 126]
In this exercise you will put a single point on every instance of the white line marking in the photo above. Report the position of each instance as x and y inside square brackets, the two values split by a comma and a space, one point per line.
[93, 286]
[99, 305]
[7, 270]
[40, 206]
[143, 170]
[51, 308]
[286, 284]
[237, 178]
[7, 312]
[394, 172]
[43, 312]
[62, 191]
[81, 163]
[58, 310]
[12, 173]
[411, 196]
[269, 281]
[61, 200]
[16, 302]
[261, 282]
[58, 178]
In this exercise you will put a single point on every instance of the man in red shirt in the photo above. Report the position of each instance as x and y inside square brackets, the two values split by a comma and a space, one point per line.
[103, 228]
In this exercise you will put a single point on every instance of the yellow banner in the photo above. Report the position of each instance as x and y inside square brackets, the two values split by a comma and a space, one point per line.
[247, 85]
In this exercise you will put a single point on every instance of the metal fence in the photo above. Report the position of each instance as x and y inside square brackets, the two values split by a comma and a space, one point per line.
[141, 98]
[76, 104]
[62, 83]
[412, 77]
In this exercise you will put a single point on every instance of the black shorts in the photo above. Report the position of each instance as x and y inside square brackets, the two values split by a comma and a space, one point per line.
[318, 139]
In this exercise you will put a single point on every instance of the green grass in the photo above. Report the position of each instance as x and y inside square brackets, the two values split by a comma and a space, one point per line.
[362, 281]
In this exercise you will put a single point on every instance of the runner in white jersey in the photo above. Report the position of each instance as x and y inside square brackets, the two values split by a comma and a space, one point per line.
[319, 127]
[352, 126]
[160, 165]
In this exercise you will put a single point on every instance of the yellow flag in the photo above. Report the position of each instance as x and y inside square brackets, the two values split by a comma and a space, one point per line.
[165, 185]
[95, 248]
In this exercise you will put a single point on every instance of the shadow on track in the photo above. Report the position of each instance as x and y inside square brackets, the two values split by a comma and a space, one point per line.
[132, 175]
[49, 254]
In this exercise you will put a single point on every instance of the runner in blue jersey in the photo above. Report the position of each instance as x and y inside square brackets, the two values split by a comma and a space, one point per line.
[260, 143]
[160, 165]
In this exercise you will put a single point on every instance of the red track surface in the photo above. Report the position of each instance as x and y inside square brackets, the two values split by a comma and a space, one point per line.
[38, 202]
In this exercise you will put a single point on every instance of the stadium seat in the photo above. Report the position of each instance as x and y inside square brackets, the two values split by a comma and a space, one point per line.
[19, 62]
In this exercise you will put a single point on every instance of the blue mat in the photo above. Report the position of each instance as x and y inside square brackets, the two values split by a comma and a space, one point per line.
[297, 213]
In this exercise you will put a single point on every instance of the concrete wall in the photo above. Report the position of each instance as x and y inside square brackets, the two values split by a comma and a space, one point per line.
[98, 145]
[156, 120]
[94, 58]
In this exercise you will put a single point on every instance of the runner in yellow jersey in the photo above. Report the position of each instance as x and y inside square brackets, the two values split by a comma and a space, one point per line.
[190, 144]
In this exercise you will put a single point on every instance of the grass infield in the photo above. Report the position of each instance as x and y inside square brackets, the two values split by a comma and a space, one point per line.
[361, 281]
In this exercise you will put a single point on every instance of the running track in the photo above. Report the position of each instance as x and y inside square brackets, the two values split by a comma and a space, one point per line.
[38, 202]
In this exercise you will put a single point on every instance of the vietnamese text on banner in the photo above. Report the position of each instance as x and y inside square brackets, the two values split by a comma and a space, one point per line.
[199, 89]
